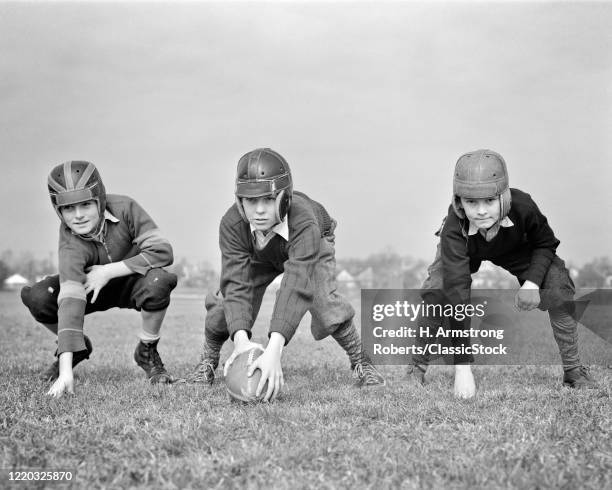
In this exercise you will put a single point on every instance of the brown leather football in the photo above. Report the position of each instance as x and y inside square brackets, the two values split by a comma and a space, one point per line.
[239, 386]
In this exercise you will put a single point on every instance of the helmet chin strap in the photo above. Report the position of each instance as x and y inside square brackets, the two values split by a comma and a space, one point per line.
[97, 234]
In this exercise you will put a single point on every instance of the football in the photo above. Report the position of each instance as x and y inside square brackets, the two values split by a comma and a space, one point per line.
[239, 386]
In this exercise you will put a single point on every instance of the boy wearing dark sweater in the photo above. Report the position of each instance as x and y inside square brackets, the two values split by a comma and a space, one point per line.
[111, 254]
[271, 230]
[489, 221]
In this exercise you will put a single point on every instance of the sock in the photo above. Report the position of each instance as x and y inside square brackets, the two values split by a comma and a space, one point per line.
[151, 325]
[565, 331]
[349, 340]
[147, 337]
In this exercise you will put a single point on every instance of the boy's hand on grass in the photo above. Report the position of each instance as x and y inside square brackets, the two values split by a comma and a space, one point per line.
[97, 278]
[62, 384]
[242, 343]
[527, 297]
[65, 380]
[271, 369]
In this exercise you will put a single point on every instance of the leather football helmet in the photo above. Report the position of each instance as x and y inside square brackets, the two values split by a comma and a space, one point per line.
[264, 172]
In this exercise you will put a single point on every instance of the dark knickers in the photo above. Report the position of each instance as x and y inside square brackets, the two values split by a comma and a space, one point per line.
[150, 292]
[556, 293]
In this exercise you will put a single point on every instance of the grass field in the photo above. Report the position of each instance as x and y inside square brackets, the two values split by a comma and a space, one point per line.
[523, 429]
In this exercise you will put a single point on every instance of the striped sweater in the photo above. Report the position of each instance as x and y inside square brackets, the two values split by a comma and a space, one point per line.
[130, 235]
[308, 221]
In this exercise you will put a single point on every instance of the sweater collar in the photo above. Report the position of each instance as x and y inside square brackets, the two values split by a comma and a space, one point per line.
[109, 216]
[491, 232]
[281, 229]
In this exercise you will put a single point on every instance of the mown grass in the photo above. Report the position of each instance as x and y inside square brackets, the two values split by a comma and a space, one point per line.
[523, 430]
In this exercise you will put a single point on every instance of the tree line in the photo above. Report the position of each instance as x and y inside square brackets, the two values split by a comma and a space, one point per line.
[385, 269]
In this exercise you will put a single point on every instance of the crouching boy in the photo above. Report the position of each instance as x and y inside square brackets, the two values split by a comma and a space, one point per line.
[487, 220]
[272, 230]
[111, 254]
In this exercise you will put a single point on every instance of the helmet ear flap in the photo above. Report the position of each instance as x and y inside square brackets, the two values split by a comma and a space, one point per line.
[241, 209]
[283, 201]
[457, 207]
[505, 202]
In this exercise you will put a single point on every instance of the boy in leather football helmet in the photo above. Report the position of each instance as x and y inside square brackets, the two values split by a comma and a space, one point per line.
[271, 230]
[488, 220]
[111, 254]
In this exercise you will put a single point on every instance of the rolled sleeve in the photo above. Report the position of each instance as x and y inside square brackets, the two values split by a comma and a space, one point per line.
[70, 316]
[71, 299]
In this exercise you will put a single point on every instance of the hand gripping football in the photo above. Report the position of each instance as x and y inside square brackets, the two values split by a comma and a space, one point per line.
[239, 386]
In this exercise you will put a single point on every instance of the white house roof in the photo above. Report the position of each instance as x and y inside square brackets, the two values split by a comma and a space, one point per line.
[344, 276]
[366, 275]
[15, 280]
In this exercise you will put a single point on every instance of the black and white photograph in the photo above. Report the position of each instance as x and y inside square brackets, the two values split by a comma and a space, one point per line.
[315, 245]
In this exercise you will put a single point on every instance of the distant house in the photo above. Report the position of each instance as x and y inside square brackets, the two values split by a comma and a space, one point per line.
[16, 281]
[366, 278]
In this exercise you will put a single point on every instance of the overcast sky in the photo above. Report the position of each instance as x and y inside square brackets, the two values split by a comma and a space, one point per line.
[371, 104]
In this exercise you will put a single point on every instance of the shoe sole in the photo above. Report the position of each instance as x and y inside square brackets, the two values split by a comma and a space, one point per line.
[584, 386]
[371, 386]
